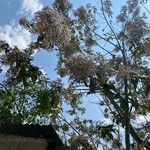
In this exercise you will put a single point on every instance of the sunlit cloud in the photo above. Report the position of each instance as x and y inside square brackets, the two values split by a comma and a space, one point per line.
[31, 6]
[15, 35]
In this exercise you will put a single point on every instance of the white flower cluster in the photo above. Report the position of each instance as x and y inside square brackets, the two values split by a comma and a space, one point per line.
[80, 67]
[51, 26]
[126, 72]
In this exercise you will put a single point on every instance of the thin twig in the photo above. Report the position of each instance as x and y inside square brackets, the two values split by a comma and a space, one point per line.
[69, 124]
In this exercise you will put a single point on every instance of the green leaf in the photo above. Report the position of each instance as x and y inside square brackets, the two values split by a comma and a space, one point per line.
[92, 85]
[134, 81]
[34, 77]
[147, 90]
[135, 104]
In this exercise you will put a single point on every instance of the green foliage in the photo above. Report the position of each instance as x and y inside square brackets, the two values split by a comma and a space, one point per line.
[106, 132]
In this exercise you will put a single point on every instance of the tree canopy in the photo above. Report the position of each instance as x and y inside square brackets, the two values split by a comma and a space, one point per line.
[98, 53]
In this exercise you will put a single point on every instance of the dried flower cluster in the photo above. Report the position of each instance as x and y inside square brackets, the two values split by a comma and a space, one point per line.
[122, 17]
[132, 5]
[52, 27]
[25, 23]
[107, 7]
[82, 66]
[81, 141]
[15, 56]
[97, 58]
[125, 72]
[17, 61]
[136, 29]
[146, 46]
[82, 14]
[63, 6]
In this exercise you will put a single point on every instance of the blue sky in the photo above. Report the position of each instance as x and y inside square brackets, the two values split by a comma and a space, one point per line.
[12, 10]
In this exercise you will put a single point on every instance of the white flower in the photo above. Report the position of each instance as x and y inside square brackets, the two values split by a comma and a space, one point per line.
[80, 67]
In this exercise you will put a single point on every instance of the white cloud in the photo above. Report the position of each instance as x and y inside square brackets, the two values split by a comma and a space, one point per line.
[15, 35]
[140, 119]
[31, 6]
[107, 121]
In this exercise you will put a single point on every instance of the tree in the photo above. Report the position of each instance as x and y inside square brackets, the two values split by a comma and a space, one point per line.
[111, 61]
